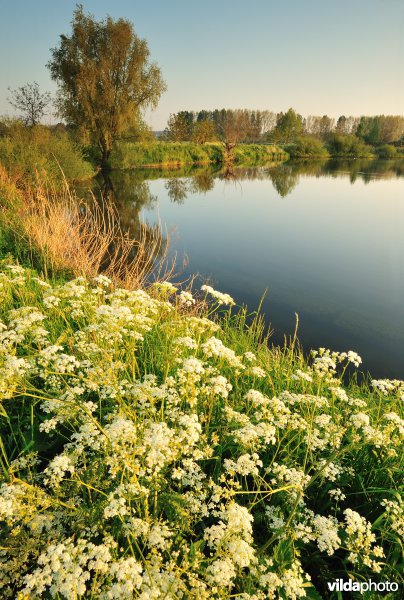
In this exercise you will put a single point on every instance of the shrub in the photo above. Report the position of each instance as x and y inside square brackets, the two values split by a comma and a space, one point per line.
[307, 147]
[386, 151]
[26, 151]
[347, 146]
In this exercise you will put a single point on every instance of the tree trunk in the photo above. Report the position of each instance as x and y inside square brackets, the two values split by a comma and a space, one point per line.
[228, 151]
[105, 152]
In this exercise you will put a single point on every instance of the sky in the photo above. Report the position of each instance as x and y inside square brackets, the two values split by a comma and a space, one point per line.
[317, 56]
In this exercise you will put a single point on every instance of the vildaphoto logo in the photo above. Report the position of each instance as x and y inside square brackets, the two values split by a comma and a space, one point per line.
[341, 585]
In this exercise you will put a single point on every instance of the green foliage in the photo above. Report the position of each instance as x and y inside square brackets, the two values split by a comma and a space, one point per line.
[380, 129]
[204, 131]
[180, 127]
[148, 442]
[347, 146]
[289, 126]
[386, 151]
[24, 152]
[234, 126]
[105, 78]
[307, 147]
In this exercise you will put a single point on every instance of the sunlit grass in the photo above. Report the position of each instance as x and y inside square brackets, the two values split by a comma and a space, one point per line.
[61, 233]
[128, 155]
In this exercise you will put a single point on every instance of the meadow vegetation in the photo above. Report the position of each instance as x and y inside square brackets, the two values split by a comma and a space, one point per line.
[127, 155]
[61, 234]
[153, 445]
[27, 151]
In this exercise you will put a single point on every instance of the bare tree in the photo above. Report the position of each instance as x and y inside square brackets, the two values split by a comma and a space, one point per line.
[30, 101]
[232, 128]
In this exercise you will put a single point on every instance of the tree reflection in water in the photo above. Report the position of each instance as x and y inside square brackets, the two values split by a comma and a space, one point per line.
[130, 192]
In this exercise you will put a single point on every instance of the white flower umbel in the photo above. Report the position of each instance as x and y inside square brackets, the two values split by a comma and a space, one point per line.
[218, 296]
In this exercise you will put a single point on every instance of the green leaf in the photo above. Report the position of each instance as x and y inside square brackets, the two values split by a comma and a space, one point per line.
[284, 554]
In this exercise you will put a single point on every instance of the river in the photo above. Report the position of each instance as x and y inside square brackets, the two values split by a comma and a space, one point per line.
[324, 240]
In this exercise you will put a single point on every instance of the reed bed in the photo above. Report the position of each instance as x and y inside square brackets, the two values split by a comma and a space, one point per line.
[82, 237]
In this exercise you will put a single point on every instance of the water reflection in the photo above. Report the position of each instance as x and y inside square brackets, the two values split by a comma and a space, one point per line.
[333, 251]
[126, 194]
[177, 189]
[130, 189]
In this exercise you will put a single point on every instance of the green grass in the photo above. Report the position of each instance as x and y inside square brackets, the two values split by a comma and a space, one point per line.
[153, 443]
[246, 154]
[128, 155]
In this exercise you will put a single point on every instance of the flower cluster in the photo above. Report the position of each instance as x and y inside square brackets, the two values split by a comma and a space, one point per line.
[220, 297]
[148, 452]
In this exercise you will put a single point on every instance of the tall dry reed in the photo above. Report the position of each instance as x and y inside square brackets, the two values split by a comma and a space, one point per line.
[83, 237]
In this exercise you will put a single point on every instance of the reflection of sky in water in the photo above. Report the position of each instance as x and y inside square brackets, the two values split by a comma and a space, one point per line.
[331, 251]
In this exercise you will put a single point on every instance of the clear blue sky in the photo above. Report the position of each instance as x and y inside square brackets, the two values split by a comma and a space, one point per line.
[318, 56]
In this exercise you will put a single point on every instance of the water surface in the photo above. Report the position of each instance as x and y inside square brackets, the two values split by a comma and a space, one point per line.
[324, 240]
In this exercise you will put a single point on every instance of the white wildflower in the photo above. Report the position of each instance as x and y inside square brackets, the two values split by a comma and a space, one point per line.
[186, 299]
[218, 296]
[221, 572]
[186, 341]
[220, 386]
[246, 464]
[360, 420]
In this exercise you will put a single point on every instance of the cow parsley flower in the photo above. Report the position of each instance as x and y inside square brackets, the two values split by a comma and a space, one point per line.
[221, 572]
[186, 299]
[218, 296]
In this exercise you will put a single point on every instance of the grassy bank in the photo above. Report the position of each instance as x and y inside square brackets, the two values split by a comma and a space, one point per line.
[154, 445]
[151, 448]
[128, 155]
[340, 146]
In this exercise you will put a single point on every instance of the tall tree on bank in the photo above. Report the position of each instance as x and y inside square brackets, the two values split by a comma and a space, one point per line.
[105, 78]
[180, 126]
[289, 126]
[232, 127]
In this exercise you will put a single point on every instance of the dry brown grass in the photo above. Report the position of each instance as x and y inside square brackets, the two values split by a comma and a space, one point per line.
[84, 237]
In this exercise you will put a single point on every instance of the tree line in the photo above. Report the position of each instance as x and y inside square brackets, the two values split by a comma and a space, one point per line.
[264, 126]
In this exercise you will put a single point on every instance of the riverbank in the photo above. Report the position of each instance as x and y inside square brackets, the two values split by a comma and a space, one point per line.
[153, 440]
[149, 423]
[127, 155]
